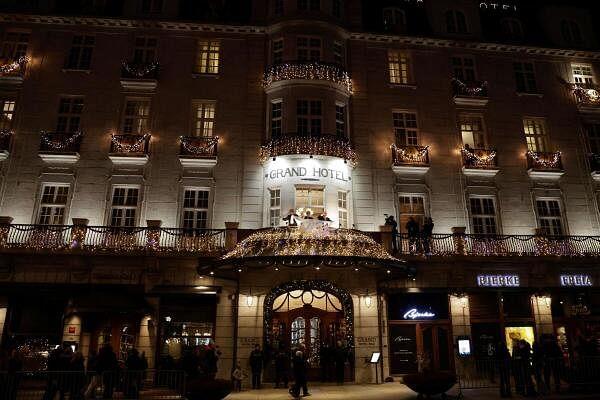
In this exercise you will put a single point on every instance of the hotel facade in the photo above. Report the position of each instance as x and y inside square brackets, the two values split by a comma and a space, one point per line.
[151, 151]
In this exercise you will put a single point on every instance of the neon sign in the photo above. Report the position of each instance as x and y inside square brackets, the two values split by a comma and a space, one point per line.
[413, 313]
[498, 280]
[576, 280]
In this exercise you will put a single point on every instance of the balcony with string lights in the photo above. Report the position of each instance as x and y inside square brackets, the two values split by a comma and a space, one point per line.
[60, 147]
[587, 96]
[479, 162]
[410, 161]
[198, 151]
[141, 77]
[470, 93]
[12, 72]
[313, 72]
[544, 165]
[129, 150]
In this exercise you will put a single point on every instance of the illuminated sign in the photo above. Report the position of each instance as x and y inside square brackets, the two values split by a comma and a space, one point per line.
[492, 5]
[304, 173]
[464, 347]
[575, 280]
[413, 313]
[488, 280]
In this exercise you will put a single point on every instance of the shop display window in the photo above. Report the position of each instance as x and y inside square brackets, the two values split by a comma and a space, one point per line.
[515, 333]
[179, 336]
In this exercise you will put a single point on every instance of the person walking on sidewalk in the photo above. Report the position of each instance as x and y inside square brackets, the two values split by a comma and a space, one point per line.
[299, 367]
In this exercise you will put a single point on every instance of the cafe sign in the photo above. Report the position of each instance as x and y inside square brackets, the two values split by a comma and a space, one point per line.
[415, 313]
[498, 280]
[576, 280]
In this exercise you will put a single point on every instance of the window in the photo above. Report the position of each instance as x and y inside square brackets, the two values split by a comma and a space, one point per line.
[144, 51]
[195, 208]
[583, 73]
[53, 204]
[69, 114]
[308, 48]
[405, 128]
[571, 32]
[313, 5]
[297, 331]
[336, 8]
[340, 120]
[472, 131]
[14, 45]
[309, 117]
[277, 55]
[338, 54]
[525, 77]
[204, 118]
[124, 205]
[311, 198]
[549, 216]
[275, 207]
[394, 18]
[7, 113]
[80, 55]
[398, 68]
[411, 206]
[463, 69]
[512, 28]
[593, 134]
[276, 118]
[483, 215]
[278, 8]
[207, 60]
[152, 6]
[535, 134]
[456, 22]
[343, 209]
[136, 116]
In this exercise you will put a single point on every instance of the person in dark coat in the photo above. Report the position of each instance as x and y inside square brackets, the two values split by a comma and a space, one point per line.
[340, 357]
[134, 373]
[412, 229]
[299, 366]
[282, 363]
[503, 360]
[538, 358]
[554, 363]
[325, 358]
[426, 235]
[77, 380]
[256, 365]
[14, 365]
[390, 221]
[108, 367]
[53, 367]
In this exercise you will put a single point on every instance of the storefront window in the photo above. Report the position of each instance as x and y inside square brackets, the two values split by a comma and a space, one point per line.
[179, 336]
[515, 334]
[126, 341]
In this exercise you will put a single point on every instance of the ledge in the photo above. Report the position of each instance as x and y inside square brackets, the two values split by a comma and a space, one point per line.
[195, 163]
[525, 94]
[588, 109]
[139, 85]
[410, 171]
[11, 80]
[545, 175]
[471, 101]
[4, 154]
[480, 172]
[129, 161]
[63, 158]
[596, 176]
[402, 85]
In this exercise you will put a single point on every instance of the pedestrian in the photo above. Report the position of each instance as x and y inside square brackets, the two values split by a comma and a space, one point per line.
[108, 368]
[503, 360]
[390, 221]
[299, 367]
[53, 367]
[256, 365]
[282, 363]
[538, 359]
[340, 357]
[554, 363]
[237, 376]
[325, 361]
[77, 371]
[412, 229]
[14, 366]
[426, 235]
[134, 373]
[96, 378]
[292, 218]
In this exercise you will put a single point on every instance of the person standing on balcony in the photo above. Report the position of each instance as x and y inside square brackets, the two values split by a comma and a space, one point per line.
[390, 221]
[412, 229]
[426, 235]
[292, 218]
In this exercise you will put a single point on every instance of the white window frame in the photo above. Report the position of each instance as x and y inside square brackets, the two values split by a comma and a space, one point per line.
[402, 128]
[535, 131]
[309, 117]
[399, 67]
[53, 206]
[145, 49]
[526, 70]
[204, 113]
[124, 207]
[569, 29]
[466, 127]
[313, 52]
[484, 218]
[277, 49]
[512, 27]
[339, 53]
[560, 218]
[7, 112]
[583, 73]
[274, 207]
[311, 188]
[461, 69]
[343, 214]
[140, 119]
[412, 196]
[276, 120]
[341, 119]
[195, 208]
[78, 58]
[70, 111]
[208, 57]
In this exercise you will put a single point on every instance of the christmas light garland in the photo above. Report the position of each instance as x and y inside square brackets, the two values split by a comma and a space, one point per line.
[325, 145]
[307, 70]
[473, 90]
[418, 155]
[586, 95]
[553, 163]
[54, 144]
[484, 159]
[136, 147]
[140, 70]
[4, 133]
[10, 67]
[206, 148]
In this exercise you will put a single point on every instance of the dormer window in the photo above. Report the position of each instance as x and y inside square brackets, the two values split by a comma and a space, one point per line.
[512, 28]
[571, 32]
[456, 22]
[394, 19]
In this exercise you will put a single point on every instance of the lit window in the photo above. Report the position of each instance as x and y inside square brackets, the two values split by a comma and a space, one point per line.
[309, 117]
[583, 73]
[276, 118]
[152, 6]
[571, 32]
[7, 113]
[69, 114]
[472, 131]
[406, 129]
[14, 45]
[394, 19]
[80, 55]
[340, 120]
[411, 206]
[297, 331]
[463, 69]
[525, 77]
[207, 60]
[144, 51]
[53, 204]
[398, 67]
[310, 198]
[277, 54]
[483, 215]
[136, 116]
[204, 118]
[124, 205]
[195, 209]
[338, 54]
[343, 209]
[549, 216]
[274, 207]
[456, 22]
[535, 134]
[308, 48]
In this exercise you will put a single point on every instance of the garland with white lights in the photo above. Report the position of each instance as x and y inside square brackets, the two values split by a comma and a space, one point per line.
[140, 70]
[586, 94]
[199, 146]
[307, 70]
[544, 162]
[135, 147]
[55, 142]
[324, 145]
[10, 67]
[417, 155]
[472, 90]
[485, 157]
[4, 133]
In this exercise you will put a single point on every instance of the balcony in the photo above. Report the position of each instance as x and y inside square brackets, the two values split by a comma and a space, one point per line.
[321, 145]
[410, 161]
[129, 150]
[60, 148]
[198, 151]
[312, 72]
[587, 97]
[544, 165]
[142, 77]
[594, 160]
[470, 93]
[5, 141]
[479, 162]
[12, 72]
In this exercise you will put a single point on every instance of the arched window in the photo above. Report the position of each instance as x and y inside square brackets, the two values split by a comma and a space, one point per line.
[571, 32]
[512, 28]
[456, 22]
[394, 18]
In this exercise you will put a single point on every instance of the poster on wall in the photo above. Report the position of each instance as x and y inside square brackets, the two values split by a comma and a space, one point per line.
[403, 349]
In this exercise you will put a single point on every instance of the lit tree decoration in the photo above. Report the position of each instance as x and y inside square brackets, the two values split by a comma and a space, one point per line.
[324, 145]
[545, 160]
[200, 146]
[410, 154]
[13, 66]
[120, 145]
[478, 89]
[60, 141]
[140, 71]
[478, 157]
[309, 71]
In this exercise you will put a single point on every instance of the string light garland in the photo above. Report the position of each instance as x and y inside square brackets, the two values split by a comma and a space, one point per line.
[309, 71]
[60, 141]
[540, 159]
[135, 147]
[586, 94]
[141, 70]
[200, 146]
[478, 157]
[472, 89]
[324, 145]
[11, 67]
[416, 155]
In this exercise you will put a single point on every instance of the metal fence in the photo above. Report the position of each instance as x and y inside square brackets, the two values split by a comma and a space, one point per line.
[75, 385]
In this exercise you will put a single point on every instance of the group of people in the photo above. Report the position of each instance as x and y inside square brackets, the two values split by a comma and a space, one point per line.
[293, 219]
[419, 237]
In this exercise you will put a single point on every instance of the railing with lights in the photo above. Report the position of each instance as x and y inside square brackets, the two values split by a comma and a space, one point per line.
[54, 142]
[14, 67]
[5, 139]
[479, 158]
[319, 145]
[308, 70]
[130, 145]
[499, 245]
[133, 70]
[198, 146]
[586, 94]
[469, 89]
[111, 239]
[403, 155]
[544, 161]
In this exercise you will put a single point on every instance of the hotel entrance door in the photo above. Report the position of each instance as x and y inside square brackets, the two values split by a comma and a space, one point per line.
[435, 346]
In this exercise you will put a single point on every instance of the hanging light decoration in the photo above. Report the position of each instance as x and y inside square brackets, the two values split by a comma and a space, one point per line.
[478, 158]
[586, 94]
[120, 144]
[542, 160]
[60, 141]
[200, 146]
[324, 145]
[478, 89]
[140, 71]
[308, 71]
[410, 154]
[13, 66]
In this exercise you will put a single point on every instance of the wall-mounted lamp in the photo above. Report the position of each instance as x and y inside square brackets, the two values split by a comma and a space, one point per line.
[368, 300]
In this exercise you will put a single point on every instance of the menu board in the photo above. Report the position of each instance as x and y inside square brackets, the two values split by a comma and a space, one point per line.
[403, 349]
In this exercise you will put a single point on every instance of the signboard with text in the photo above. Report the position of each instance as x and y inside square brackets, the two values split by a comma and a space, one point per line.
[498, 280]
[576, 280]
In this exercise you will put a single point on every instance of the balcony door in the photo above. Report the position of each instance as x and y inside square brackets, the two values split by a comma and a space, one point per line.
[310, 198]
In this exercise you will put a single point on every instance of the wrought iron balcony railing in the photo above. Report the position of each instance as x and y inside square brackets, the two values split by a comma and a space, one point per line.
[403, 155]
[130, 145]
[544, 161]
[308, 70]
[133, 70]
[469, 89]
[318, 145]
[60, 143]
[14, 67]
[5, 139]
[479, 158]
[198, 146]
[586, 94]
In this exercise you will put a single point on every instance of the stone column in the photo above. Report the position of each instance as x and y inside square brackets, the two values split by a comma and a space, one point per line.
[4, 229]
[458, 235]
[78, 232]
[231, 234]
[146, 338]
[461, 324]
[386, 237]
[153, 233]
[72, 329]
[366, 334]
[542, 312]
[250, 324]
